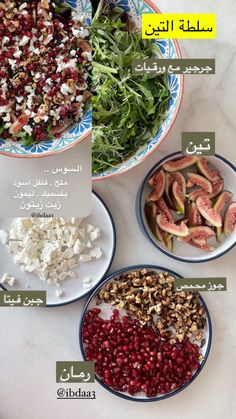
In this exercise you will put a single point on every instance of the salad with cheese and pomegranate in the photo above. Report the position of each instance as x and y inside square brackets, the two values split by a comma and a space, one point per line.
[45, 65]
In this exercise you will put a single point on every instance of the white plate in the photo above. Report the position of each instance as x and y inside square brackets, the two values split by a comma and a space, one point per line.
[72, 287]
[106, 311]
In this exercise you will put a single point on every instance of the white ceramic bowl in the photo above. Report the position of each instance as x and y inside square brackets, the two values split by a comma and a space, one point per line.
[107, 312]
[182, 251]
[73, 287]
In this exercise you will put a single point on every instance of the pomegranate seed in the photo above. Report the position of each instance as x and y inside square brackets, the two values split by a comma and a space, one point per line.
[126, 355]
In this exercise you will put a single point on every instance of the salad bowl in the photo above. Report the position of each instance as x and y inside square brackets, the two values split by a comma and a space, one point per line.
[70, 136]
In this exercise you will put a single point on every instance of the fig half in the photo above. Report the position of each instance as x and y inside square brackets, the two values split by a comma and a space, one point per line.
[230, 219]
[158, 182]
[204, 169]
[180, 230]
[179, 164]
[210, 214]
[195, 179]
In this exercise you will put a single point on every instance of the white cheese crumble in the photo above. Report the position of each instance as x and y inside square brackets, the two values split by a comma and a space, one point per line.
[51, 248]
[8, 279]
[24, 41]
[28, 129]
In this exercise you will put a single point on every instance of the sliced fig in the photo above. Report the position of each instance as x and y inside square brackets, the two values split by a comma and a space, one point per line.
[179, 164]
[230, 219]
[21, 121]
[192, 196]
[210, 214]
[201, 181]
[168, 241]
[163, 209]
[217, 188]
[194, 215]
[169, 180]
[172, 228]
[201, 234]
[223, 199]
[191, 242]
[179, 192]
[159, 186]
[151, 211]
[178, 197]
[203, 167]
[219, 233]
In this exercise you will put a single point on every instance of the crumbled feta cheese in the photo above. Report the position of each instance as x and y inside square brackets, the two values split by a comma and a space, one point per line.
[23, 6]
[4, 236]
[19, 99]
[50, 248]
[65, 90]
[28, 129]
[24, 41]
[8, 279]
[17, 54]
[12, 63]
[59, 293]
[5, 40]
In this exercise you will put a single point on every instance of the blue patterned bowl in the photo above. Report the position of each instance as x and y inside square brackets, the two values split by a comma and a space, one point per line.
[168, 49]
[69, 138]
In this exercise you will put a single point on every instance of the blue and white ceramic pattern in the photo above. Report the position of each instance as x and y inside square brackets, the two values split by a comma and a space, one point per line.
[74, 135]
[168, 48]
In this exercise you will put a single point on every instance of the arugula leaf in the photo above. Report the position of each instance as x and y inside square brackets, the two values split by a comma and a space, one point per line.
[127, 108]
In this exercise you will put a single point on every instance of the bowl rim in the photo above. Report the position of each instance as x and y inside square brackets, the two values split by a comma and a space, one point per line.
[146, 232]
[99, 286]
[49, 153]
[97, 178]
[114, 242]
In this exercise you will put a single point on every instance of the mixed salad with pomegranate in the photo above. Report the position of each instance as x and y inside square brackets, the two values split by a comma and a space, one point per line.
[45, 63]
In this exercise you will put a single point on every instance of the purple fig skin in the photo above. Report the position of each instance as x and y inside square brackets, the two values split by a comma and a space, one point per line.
[204, 169]
[222, 200]
[179, 164]
[201, 181]
[158, 182]
[168, 241]
[177, 230]
[205, 209]
[168, 183]
[151, 211]
[230, 219]
[182, 220]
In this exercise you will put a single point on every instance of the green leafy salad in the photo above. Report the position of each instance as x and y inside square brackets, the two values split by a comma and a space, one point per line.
[127, 108]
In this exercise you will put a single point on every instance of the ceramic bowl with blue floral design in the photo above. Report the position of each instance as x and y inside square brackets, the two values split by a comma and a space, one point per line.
[72, 135]
[168, 48]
